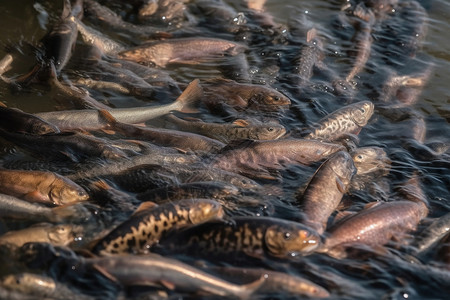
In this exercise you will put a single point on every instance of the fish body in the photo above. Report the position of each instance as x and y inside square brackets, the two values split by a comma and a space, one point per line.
[182, 50]
[374, 226]
[243, 96]
[188, 190]
[255, 157]
[346, 120]
[310, 55]
[90, 119]
[154, 269]
[41, 186]
[15, 120]
[226, 133]
[244, 236]
[432, 234]
[326, 188]
[146, 227]
[58, 235]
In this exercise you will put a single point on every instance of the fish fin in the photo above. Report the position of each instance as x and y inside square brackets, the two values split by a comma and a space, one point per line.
[260, 174]
[147, 205]
[340, 185]
[2, 104]
[67, 8]
[105, 273]
[107, 117]
[190, 95]
[85, 253]
[251, 288]
[311, 34]
[371, 204]
[241, 123]
[101, 185]
[342, 215]
[167, 284]
[35, 196]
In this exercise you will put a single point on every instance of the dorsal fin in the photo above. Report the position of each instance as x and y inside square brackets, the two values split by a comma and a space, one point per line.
[241, 123]
[148, 205]
[311, 34]
[371, 205]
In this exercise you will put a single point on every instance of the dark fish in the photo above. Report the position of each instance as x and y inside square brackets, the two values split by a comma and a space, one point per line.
[181, 51]
[238, 130]
[165, 137]
[147, 226]
[242, 96]
[325, 190]
[432, 234]
[243, 236]
[344, 121]
[40, 186]
[209, 190]
[59, 235]
[153, 269]
[15, 120]
[255, 158]
[65, 145]
[274, 282]
[14, 208]
[90, 119]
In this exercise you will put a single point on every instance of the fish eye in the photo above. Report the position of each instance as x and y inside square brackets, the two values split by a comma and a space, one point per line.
[287, 236]
[276, 98]
[81, 194]
[360, 157]
[270, 129]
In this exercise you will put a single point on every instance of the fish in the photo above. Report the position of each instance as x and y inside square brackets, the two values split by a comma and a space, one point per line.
[15, 208]
[65, 145]
[102, 15]
[310, 55]
[225, 133]
[241, 237]
[326, 189]
[98, 84]
[154, 269]
[90, 119]
[181, 51]
[242, 96]
[93, 37]
[163, 12]
[39, 286]
[347, 120]
[370, 159]
[15, 120]
[41, 186]
[207, 189]
[164, 137]
[59, 235]
[431, 235]
[374, 226]
[255, 158]
[274, 282]
[148, 225]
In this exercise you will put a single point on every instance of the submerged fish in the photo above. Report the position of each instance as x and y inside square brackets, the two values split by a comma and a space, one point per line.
[325, 190]
[41, 186]
[59, 235]
[146, 226]
[15, 120]
[90, 119]
[153, 269]
[243, 236]
[255, 158]
[436, 231]
[238, 130]
[346, 120]
[182, 51]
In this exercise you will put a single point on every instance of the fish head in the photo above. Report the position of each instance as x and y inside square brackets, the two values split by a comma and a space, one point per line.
[369, 159]
[361, 112]
[270, 131]
[65, 192]
[343, 166]
[61, 235]
[286, 241]
[263, 96]
[203, 210]
[44, 128]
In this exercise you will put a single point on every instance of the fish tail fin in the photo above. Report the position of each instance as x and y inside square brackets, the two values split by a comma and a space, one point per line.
[251, 288]
[189, 97]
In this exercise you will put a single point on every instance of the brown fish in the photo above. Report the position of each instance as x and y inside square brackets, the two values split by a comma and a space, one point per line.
[255, 158]
[15, 120]
[58, 235]
[238, 130]
[41, 186]
[370, 159]
[181, 51]
[325, 190]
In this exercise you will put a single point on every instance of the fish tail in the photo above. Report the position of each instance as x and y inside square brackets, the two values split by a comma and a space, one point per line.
[189, 97]
[249, 289]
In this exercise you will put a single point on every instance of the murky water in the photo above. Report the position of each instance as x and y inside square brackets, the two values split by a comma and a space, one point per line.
[23, 23]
